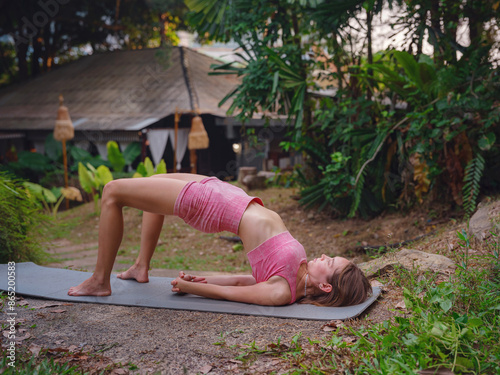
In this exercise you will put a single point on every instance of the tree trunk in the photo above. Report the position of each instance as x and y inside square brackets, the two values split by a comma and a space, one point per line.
[369, 18]
[476, 27]
[163, 37]
[22, 63]
[36, 55]
[436, 29]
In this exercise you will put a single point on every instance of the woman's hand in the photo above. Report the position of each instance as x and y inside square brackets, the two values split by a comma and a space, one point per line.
[192, 278]
[177, 285]
[184, 278]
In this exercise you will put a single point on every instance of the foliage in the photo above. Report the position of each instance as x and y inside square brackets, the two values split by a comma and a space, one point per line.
[50, 200]
[19, 223]
[454, 325]
[31, 367]
[473, 174]
[118, 159]
[47, 169]
[416, 154]
[147, 169]
[43, 34]
[115, 157]
[408, 124]
[93, 180]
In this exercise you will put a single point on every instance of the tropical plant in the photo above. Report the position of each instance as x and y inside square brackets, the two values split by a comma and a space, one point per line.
[147, 168]
[115, 157]
[51, 199]
[20, 223]
[93, 180]
[406, 124]
[120, 160]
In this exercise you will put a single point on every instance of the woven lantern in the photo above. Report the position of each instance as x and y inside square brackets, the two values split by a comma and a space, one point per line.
[64, 130]
[198, 137]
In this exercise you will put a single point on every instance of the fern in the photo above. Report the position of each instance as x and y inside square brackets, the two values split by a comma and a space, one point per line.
[470, 191]
[358, 189]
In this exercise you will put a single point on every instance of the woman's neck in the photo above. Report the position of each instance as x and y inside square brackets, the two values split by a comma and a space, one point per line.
[301, 283]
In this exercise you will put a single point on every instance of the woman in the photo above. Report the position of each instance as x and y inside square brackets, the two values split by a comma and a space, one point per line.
[280, 272]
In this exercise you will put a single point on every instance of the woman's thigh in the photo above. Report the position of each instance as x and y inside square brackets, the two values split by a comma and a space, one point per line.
[181, 176]
[155, 195]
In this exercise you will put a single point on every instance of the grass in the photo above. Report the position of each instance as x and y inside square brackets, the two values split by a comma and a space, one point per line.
[33, 367]
[450, 325]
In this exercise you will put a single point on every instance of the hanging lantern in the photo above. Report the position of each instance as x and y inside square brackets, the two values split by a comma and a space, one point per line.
[198, 137]
[64, 130]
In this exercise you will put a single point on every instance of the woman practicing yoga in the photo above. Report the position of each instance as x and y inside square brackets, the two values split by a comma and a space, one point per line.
[280, 272]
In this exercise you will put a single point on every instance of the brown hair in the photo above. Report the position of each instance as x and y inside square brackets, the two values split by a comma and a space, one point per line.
[349, 287]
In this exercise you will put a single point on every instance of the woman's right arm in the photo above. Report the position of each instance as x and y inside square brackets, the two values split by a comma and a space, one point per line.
[225, 280]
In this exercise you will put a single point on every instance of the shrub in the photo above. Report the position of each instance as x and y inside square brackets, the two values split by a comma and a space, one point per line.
[19, 223]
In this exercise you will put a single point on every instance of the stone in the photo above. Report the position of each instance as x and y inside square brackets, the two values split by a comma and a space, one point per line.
[485, 220]
[246, 171]
[252, 182]
[409, 259]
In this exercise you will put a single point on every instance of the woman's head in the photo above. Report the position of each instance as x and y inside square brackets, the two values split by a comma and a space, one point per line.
[337, 282]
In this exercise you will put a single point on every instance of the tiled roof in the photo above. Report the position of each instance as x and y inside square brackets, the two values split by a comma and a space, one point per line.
[119, 90]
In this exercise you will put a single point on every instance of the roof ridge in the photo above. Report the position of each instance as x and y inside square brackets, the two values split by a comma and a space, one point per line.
[193, 97]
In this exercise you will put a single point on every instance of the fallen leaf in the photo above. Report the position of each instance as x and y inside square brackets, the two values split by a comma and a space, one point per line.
[206, 369]
[53, 304]
[332, 325]
[235, 361]
[349, 339]
[401, 305]
[35, 349]
[23, 303]
[328, 328]
[58, 311]
[26, 336]
[119, 371]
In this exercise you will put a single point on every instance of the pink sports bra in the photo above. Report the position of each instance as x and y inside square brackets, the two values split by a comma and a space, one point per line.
[280, 255]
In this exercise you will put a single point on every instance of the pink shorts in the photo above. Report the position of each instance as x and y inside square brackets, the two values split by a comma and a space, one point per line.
[212, 205]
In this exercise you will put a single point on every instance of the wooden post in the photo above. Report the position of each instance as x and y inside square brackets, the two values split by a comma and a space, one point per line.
[193, 157]
[176, 130]
[65, 161]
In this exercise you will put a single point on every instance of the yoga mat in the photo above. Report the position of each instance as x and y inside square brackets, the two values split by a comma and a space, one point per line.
[53, 283]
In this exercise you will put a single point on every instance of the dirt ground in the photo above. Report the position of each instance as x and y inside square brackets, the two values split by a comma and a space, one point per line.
[144, 340]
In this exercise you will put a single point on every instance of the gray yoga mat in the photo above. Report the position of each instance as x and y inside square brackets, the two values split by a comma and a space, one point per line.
[53, 283]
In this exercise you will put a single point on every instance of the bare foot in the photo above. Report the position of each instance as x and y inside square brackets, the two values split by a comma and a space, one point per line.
[91, 287]
[140, 274]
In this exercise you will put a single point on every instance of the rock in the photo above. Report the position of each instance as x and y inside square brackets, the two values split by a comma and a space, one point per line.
[246, 171]
[409, 259]
[485, 220]
[252, 182]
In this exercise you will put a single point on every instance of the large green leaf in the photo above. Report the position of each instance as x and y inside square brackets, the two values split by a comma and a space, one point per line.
[161, 168]
[104, 175]
[115, 157]
[86, 178]
[150, 169]
[131, 152]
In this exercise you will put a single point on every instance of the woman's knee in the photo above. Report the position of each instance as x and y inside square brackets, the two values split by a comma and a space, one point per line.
[110, 192]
